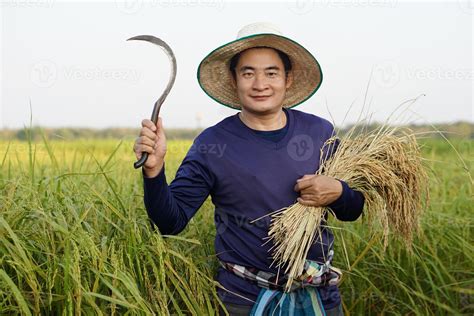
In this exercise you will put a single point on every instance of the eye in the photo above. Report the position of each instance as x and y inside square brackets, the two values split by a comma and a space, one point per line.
[272, 74]
[247, 74]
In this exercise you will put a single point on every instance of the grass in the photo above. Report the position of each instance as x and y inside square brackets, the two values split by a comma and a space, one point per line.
[75, 239]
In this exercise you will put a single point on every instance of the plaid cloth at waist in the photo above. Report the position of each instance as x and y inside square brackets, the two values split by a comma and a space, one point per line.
[314, 274]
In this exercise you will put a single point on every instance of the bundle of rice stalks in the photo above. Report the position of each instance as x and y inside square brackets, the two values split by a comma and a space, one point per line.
[385, 165]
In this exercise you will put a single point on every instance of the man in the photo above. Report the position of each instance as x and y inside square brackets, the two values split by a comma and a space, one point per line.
[269, 159]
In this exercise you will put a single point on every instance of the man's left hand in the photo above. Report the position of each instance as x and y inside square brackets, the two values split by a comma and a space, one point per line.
[318, 190]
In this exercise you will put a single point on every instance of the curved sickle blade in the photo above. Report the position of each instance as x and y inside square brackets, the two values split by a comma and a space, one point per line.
[159, 102]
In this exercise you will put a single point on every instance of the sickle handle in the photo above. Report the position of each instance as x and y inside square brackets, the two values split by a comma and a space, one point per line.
[154, 118]
[140, 162]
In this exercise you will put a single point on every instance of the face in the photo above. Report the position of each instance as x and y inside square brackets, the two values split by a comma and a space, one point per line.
[260, 80]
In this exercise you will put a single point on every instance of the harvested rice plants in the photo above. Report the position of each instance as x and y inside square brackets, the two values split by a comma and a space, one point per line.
[75, 239]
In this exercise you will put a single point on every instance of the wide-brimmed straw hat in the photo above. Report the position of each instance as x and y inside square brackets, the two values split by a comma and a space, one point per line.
[215, 78]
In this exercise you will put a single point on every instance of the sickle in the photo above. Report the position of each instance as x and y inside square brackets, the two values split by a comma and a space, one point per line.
[157, 107]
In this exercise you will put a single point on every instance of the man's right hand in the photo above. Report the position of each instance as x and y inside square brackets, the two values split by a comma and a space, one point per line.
[152, 140]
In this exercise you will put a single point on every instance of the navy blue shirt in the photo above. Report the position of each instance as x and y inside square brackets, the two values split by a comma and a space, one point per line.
[248, 174]
[276, 135]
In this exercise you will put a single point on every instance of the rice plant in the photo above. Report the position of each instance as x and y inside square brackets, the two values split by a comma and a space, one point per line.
[75, 239]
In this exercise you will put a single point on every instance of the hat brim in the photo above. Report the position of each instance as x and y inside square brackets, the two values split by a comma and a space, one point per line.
[215, 78]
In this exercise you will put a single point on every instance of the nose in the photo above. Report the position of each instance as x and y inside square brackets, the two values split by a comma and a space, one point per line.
[260, 82]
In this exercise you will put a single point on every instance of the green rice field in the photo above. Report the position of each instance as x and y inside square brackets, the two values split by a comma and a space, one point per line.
[76, 239]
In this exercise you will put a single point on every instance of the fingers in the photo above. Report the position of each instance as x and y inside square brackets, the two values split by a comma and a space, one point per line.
[152, 138]
[139, 149]
[305, 177]
[306, 202]
[307, 197]
[155, 129]
[147, 132]
[143, 144]
[311, 200]
[144, 140]
[303, 184]
[149, 124]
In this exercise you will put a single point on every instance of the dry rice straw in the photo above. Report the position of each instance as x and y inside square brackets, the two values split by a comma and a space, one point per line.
[385, 165]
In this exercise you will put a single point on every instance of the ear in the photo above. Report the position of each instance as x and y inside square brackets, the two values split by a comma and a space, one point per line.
[289, 79]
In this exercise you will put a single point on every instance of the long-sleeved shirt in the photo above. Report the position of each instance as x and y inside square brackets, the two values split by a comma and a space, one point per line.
[248, 174]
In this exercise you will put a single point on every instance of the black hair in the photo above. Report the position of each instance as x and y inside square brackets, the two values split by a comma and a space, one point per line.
[283, 56]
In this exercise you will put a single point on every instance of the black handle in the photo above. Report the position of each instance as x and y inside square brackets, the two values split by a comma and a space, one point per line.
[140, 162]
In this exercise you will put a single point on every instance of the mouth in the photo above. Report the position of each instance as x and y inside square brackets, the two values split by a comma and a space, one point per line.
[260, 97]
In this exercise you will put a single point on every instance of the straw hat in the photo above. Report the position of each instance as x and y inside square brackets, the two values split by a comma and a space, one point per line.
[215, 78]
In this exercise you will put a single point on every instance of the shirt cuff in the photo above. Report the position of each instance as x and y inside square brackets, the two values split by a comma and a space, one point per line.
[349, 206]
[159, 178]
[344, 195]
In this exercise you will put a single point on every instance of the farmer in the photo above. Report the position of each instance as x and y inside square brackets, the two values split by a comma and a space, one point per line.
[257, 161]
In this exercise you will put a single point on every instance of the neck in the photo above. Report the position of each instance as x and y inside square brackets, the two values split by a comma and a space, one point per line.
[264, 122]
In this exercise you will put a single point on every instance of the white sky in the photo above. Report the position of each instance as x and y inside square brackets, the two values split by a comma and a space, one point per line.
[72, 60]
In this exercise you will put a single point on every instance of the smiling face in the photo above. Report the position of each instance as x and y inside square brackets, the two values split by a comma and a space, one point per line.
[260, 80]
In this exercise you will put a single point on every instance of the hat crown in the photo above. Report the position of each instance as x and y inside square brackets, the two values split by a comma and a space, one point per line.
[258, 28]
